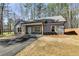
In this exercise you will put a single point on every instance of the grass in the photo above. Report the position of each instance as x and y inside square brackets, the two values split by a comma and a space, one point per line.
[6, 35]
[53, 46]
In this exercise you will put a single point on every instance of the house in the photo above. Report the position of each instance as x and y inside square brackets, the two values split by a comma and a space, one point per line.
[17, 26]
[44, 25]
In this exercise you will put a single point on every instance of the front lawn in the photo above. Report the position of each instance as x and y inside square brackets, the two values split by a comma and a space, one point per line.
[6, 35]
[52, 46]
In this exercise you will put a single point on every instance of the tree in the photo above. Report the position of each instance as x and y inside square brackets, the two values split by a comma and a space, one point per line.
[35, 10]
[1, 17]
[10, 25]
[28, 10]
[39, 10]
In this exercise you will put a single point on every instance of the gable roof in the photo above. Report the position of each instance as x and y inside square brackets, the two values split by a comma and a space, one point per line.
[54, 18]
[20, 21]
[43, 19]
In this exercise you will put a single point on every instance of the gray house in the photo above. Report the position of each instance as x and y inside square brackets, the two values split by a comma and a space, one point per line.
[44, 25]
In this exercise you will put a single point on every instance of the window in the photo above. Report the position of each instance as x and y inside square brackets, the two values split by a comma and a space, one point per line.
[19, 29]
[36, 29]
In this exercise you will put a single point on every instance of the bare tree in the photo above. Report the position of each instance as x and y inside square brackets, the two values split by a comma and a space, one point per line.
[1, 17]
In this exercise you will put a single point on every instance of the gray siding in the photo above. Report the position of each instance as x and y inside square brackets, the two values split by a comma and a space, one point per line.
[59, 28]
[47, 27]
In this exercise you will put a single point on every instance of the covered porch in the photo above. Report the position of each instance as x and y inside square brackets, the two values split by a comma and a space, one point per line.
[34, 28]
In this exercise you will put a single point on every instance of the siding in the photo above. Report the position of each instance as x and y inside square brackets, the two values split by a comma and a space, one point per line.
[47, 27]
[59, 28]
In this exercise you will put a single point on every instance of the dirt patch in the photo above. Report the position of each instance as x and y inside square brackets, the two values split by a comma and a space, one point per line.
[71, 33]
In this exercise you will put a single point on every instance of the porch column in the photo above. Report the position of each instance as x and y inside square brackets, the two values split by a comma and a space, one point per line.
[42, 28]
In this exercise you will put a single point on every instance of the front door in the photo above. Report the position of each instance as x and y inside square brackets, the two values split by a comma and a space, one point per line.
[53, 29]
[29, 30]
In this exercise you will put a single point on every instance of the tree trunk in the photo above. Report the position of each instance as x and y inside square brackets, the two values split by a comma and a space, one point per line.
[1, 19]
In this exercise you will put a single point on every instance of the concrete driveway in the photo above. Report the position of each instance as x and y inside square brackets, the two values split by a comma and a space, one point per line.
[11, 50]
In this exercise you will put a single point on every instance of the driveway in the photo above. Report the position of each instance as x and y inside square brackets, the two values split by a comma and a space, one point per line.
[11, 50]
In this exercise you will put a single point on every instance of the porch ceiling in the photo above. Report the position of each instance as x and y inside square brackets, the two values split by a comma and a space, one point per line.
[33, 24]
